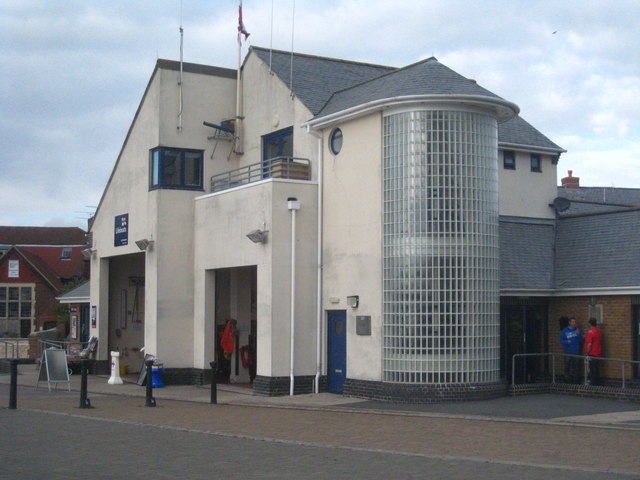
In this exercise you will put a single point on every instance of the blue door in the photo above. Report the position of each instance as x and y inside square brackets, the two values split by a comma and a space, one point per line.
[336, 350]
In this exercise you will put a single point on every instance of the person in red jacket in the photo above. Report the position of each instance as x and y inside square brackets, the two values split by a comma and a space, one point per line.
[593, 349]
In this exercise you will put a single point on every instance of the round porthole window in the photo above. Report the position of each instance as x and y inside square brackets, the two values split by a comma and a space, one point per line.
[335, 141]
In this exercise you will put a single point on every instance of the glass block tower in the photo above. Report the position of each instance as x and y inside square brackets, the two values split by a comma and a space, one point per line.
[440, 247]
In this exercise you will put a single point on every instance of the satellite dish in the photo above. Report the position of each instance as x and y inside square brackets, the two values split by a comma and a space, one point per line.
[561, 204]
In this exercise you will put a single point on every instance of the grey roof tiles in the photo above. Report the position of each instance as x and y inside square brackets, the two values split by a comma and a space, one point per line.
[526, 253]
[598, 250]
[327, 85]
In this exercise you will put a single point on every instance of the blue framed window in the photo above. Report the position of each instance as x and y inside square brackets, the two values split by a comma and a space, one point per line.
[176, 168]
[509, 160]
[278, 144]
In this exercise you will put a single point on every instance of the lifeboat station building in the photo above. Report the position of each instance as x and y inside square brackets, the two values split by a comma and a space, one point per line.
[315, 224]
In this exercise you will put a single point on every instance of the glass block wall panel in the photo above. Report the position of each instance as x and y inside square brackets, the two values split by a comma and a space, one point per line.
[441, 264]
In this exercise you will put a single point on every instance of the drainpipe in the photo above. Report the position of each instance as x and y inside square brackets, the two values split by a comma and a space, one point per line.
[238, 147]
[319, 279]
[293, 205]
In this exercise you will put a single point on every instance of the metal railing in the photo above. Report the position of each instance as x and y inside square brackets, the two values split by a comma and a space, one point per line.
[585, 361]
[71, 347]
[279, 167]
[13, 346]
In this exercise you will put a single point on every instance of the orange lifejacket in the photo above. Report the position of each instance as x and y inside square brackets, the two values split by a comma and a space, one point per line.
[228, 336]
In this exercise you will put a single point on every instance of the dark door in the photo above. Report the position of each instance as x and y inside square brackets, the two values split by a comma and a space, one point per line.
[336, 350]
[636, 339]
[523, 331]
[276, 145]
[84, 323]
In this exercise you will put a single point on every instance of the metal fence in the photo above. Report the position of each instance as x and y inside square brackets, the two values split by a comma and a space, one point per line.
[14, 348]
[279, 167]
[585, 364]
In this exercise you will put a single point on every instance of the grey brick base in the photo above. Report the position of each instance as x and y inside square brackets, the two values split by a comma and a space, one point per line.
[277, 386]
[421, 393]
[591, 391]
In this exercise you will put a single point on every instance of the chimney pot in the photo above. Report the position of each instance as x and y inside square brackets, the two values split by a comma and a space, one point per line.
[570, 181]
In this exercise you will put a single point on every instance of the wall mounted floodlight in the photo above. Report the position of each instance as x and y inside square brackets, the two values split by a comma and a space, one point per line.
[353, 301]
[144, 244]
[258, 236]
[88, 252]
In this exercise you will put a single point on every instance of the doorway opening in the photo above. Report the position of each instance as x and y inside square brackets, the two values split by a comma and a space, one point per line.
[126, 310]
[236, 324]
[524, 329]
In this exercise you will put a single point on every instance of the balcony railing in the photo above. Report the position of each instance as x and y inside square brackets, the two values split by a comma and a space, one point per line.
[279, 167]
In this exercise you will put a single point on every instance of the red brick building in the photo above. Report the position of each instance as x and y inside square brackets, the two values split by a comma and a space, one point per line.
[35, 265]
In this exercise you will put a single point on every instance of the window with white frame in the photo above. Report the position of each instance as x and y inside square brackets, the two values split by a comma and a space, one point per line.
[16, 309]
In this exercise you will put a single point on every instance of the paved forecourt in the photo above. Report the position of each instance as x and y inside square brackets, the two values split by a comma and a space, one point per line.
[275, 441]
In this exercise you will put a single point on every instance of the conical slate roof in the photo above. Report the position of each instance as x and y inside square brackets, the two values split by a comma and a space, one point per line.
[428, 77]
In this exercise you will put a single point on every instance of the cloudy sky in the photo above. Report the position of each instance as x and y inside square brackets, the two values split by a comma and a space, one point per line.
[74, 71]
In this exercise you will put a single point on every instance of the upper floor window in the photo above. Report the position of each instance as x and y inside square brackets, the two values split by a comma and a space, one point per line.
[278, 144]
[536, 166]
[509, 159]
[176, 168]
[66, 253]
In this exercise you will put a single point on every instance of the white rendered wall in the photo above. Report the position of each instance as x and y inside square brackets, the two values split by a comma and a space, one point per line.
[352, 244]
[524, 193]
[269, 107]
[222, 221]
[164, 216]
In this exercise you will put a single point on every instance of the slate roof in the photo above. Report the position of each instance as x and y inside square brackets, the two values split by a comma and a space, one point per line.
[601, 250]
[79, 294]
[317, 79]
[428, 77]
[526, 253]
[42, 236]
[615, 198]
[518, 131]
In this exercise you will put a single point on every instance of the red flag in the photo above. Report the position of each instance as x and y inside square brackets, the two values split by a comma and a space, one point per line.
[241, 27]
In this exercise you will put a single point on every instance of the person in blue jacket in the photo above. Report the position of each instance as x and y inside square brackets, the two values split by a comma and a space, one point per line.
[571, 338]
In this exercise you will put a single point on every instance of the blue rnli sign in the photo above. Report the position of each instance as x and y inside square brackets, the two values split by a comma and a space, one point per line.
[121, 235]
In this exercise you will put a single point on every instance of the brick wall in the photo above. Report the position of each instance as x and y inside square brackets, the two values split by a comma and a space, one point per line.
[617, 327]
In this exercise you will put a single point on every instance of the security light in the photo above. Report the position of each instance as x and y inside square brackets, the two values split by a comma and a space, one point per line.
[87, 252]
[144, 244]
[353, 301]
[258, 236]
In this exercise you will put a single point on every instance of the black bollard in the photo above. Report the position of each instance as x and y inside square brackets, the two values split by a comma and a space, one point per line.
[13, 392]
[150, 401]
[214, 382]
[84, 401]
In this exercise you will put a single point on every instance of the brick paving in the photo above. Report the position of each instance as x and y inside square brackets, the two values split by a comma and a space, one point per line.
[324, 436]
[575, 447]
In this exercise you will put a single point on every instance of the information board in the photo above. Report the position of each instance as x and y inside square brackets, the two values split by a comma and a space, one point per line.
[54, 368]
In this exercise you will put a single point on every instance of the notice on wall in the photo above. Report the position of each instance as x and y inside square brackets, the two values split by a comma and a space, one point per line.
[121, 230]
[74, 327]
[14, 268]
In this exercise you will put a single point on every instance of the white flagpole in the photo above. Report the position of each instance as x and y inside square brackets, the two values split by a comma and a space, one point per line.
[238, 150]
